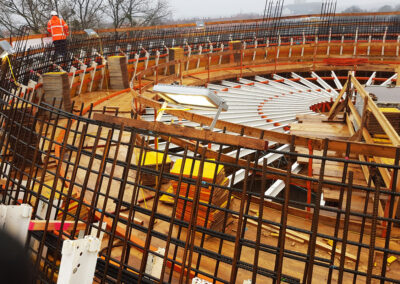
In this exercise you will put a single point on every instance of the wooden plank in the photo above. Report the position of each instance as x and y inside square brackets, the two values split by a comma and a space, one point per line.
[333, 112]
[310, 118]
[121, 231]
[136, 220]
[336, 145]
[383, 171]
[398, 76]
[327, 220]
[55, 225]
[320, 130]
[274, 173]
[331, 195]
[201, 119]
[318, 243]
[357, 136]
[187, 132]
[383, 121]
[338, 172]
[272, 229]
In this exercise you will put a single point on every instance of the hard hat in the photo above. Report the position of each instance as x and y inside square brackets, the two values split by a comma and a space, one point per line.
[53, 13]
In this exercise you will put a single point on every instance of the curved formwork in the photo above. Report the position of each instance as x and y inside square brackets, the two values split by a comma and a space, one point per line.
[234, 204]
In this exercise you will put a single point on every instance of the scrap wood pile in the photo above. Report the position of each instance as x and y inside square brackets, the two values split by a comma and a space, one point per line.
[153, 161]
[215, 196]
[392, 115]
[56, 86]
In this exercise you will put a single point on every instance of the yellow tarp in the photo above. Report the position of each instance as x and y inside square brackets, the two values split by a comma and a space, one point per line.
[389, 109]
[46, 191]
[166, 198]
[391, 259]
[208, 171]
[152, 158]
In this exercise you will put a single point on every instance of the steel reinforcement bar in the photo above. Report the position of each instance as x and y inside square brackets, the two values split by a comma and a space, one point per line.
[88, 171]
[38, 57]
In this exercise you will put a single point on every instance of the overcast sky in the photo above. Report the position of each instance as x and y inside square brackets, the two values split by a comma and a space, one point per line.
[215, 8]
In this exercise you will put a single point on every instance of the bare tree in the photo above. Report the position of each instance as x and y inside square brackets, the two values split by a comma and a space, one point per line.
[156, 14]
[116, 12]
[137, 12]
[81, 14]
[33, 13]
[88, 13]
[134, 11]
[5, 23]
[36, 13]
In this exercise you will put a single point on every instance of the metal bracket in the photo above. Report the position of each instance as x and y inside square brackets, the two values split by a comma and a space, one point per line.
[72, 77]
[146, 62]
[78, 262]
[157, 59]
[32, 85]
[15, 220]
[155, 263]
[198, 60]
[197, 280]
[92, 75]
[215, 117]
[166, 59]
[82, 75]
[220, 57]
[136, 57]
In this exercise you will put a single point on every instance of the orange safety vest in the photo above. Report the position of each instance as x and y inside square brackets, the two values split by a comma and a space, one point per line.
[57, 28]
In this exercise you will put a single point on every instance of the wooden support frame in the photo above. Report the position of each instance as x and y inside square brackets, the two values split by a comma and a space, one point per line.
[335, 145]
[382, 120]
[186, 132]
[357, 136]
[334, 109]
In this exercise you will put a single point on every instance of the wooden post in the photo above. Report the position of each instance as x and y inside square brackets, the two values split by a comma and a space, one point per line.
[180, 71]
[355, 43]
[357, 136]
[328, 49]
[175, 53]
[241, 63]
[310, 174]
[235, 57]
[369, 45]
[118, 72]
[56, 85]
[398, 45]
[208, 68]
[383, 43]
[398, 76]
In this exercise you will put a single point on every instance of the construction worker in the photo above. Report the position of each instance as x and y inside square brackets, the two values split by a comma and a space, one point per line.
[59, 32]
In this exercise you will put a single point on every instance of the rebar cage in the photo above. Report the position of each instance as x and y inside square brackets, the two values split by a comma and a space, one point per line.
[95, 175]
[74, 168]
[270, 31]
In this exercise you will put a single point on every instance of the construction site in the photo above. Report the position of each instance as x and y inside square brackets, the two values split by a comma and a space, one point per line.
[248, 151]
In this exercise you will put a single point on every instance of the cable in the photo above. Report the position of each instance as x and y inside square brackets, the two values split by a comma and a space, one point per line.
[12, 72]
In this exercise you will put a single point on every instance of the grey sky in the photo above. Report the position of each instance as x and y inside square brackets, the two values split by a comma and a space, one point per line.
[215, 8]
